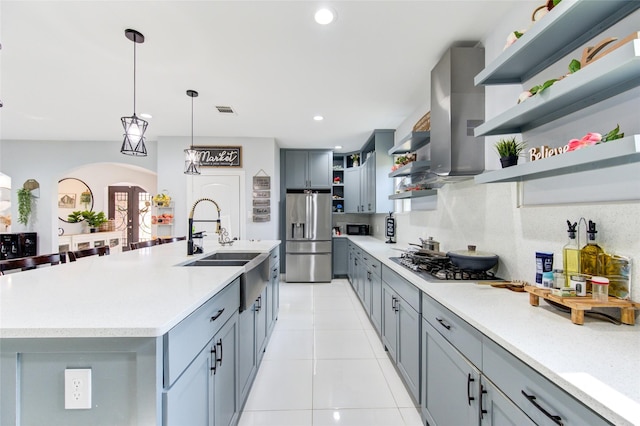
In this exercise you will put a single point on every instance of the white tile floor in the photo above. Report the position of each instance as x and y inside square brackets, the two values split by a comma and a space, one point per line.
[325, 365]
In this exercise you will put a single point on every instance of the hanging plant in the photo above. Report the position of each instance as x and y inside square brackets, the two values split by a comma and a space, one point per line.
[24, 205]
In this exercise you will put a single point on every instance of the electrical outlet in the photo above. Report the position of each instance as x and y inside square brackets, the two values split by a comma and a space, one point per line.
[77, 388]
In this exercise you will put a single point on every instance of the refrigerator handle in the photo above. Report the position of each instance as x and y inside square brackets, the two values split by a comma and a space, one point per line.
[308, 216]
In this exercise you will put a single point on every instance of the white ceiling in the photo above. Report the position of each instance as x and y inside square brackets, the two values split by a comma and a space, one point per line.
[67, 67]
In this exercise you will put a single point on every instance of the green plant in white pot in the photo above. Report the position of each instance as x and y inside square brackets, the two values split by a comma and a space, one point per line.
[509, 149]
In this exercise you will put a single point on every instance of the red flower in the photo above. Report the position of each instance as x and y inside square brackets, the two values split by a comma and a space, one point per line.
[587, 140]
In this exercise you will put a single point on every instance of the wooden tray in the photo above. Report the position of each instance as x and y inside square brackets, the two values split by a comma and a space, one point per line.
[584, 303]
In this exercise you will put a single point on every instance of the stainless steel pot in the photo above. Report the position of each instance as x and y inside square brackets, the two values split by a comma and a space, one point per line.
[472, 260]
[428, 244]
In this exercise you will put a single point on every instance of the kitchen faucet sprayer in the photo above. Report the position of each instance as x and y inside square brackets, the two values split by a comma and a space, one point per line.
[191, 247]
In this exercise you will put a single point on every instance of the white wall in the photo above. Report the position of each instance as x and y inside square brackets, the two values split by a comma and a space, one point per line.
[257, 154]
[48, 162]
[488, 215]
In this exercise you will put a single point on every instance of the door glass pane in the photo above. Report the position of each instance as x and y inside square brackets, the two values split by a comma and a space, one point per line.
[144, 217]
[121, 203]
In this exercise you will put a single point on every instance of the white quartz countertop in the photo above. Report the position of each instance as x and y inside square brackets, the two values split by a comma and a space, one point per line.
[139, 293]
[598, 362]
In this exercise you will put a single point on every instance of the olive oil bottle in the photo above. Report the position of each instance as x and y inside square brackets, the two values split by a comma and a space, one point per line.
[591, 255]
[571, 254]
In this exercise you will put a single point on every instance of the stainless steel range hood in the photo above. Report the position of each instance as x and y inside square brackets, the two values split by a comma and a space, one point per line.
[457, 107]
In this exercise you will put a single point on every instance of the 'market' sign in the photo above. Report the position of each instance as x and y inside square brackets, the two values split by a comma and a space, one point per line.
[219, 156]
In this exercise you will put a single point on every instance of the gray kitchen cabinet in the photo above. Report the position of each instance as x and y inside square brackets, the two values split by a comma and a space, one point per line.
[376, 166]
[253, 329]
[376, 299]
[247, 355]
[308, 169]
[226, 407]
[273, 305]
[206, 392]
[340, 257]
[401, 327]
[450, 383]
[497, 410]
[352, 190]
[541, 400]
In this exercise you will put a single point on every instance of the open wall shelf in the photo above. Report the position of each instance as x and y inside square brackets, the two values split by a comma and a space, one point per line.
[411, 168]
[613, 74]
[614, 153]
[412, 142]
[413, 194]
[568, 26]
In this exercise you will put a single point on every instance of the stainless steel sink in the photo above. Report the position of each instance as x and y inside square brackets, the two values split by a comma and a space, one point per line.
[217, 262]
[254, 278]
[225, 255]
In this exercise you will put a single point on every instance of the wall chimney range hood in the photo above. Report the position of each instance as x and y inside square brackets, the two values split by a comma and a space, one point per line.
[457, 107]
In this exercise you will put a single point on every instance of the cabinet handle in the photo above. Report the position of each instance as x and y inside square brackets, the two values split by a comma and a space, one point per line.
[368, 275]
[217, 315]
[532, 399]
[214, 359]
[219, 344]
[443, 323]
[393, 303]
[469, 381]
[482, 410]
[258, 303]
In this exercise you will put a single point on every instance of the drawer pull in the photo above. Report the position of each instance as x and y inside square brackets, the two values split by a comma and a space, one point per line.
[443, 323]
[219, 344]
[217, 315]
[214, 359]
[482, 410]
[469, 381]
[532, 399]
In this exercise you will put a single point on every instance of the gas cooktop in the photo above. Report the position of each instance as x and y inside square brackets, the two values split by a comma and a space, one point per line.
[440, 267]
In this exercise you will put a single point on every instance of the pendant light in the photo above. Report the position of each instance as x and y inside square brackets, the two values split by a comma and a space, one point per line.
[134, 127]
[191, 157]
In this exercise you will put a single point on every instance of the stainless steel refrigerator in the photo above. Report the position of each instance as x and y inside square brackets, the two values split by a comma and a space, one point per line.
[308, 235]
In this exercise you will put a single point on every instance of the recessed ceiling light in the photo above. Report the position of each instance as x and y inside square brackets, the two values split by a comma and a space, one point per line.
[337, 147]
[324, 16]
[145, 115]
[318, 117]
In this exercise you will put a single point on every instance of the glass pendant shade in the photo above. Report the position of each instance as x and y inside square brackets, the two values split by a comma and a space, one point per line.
[191, 157]
[134, 129]
[191, 162]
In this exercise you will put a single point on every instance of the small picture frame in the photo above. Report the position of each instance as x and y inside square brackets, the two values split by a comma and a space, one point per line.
[67, 201]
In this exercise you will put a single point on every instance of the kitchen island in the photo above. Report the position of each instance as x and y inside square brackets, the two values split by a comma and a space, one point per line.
[596, 363]
[117, 315]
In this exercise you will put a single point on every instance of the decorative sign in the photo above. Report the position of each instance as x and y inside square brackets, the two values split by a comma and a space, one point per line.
[261, 197]
[261, 182]
[544, 152]
[219, 156]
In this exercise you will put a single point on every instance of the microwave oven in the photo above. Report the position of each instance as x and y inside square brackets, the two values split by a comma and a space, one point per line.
[357, 229]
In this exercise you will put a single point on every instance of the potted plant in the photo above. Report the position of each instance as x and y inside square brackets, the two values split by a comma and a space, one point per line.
[25, 205]
[93, 219]
[509, 150]
[354, 159]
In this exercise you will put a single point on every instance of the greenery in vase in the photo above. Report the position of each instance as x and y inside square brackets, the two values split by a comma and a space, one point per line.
[509, 147]
[24, 205]
[355, 158]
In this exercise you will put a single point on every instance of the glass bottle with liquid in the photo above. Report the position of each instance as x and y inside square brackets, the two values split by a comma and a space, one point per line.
[571, 254]
[591, 255]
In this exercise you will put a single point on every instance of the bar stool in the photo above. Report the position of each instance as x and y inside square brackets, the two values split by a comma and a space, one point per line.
[99, 251]
[32, 262]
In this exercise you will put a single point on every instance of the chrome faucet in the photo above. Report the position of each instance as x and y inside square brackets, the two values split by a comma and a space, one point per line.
[191, 247]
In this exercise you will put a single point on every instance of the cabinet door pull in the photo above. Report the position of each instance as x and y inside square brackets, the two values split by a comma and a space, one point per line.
[393, 303]
[217, 315]
[482, 410]
[214, 359]
[443, 323]
[469, 381]
[219, 344]
[532, 399]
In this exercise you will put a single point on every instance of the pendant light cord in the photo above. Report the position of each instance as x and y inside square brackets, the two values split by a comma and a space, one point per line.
[192, 123]
[135, 37]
